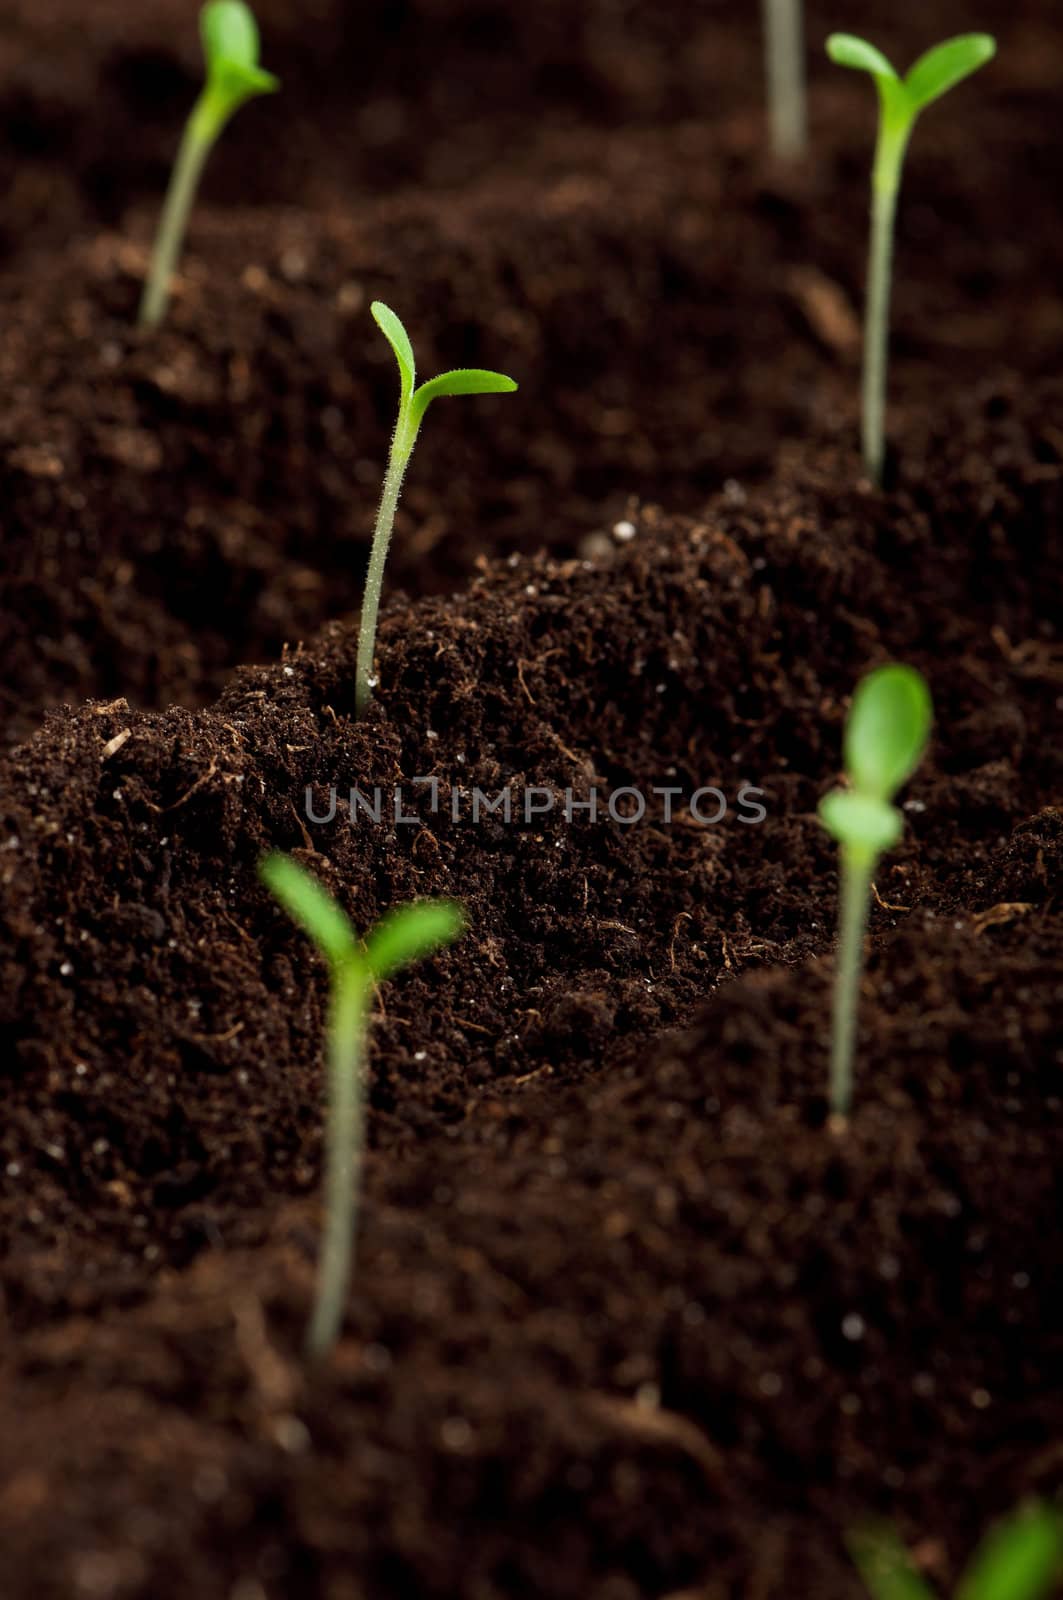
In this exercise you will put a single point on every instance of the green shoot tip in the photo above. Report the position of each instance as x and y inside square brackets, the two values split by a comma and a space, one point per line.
[933, 75]
[231, 50]
[464, 380]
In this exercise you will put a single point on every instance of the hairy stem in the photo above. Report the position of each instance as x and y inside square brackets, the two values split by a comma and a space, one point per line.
[398, 460]
[855, 888]
[785, 59]
[344, 1154]
[195, 147]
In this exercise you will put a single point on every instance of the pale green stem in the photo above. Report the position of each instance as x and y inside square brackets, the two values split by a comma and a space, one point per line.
[876, 332]
[398, 460]
[201, 130]
[857, 866]
[784, 47]
[885, 187]
[344, 1153]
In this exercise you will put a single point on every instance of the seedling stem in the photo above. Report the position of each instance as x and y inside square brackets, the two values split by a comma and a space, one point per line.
[344, 1154]
[188, 168]
[784, 47]
[889, 160]
[857, 866]
[398, 460]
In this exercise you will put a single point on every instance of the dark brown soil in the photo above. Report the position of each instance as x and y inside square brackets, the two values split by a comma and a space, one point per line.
[677, 312]
[629, 1320]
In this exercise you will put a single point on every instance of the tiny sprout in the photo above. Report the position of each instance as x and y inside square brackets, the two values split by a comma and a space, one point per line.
[900, 102]
[1019, 1560]
[784, 50]
[403, 936]
[413, 403]
[885, 737]
[230, 46]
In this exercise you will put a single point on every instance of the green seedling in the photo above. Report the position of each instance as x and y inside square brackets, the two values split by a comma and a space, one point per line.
[413, 403]
[885, 736]
[900, 102]
[1019, 1560]
[230, 47]
[400, 938]
[784, 49]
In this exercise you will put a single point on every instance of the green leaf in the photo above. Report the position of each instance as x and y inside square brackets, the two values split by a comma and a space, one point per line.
[846, 50]
[230, 33]
[411, 932]
[861, 821]
[311, 907]
[1020, 1560]
[887, 730]
[942, 68]
[467, 380]
[231, 47]
[884, 1565]
[399, 340]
